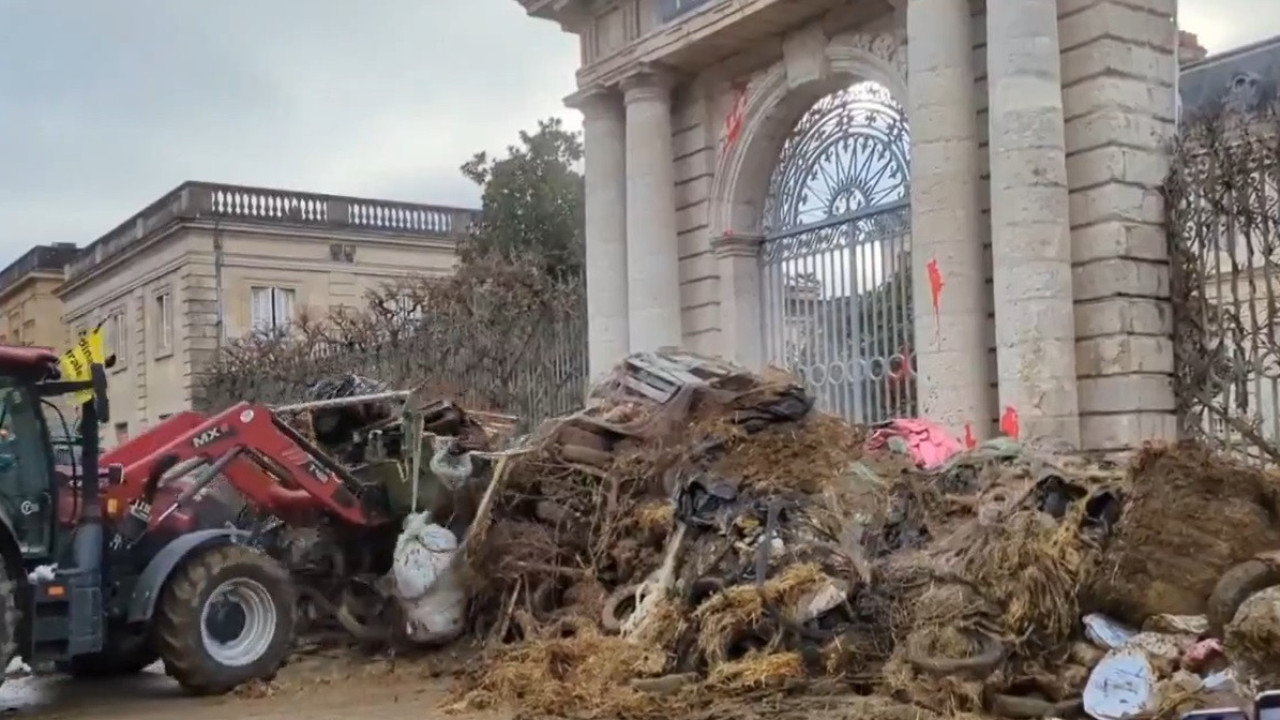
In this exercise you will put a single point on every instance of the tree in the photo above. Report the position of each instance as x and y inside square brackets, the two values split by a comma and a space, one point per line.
[533, 199]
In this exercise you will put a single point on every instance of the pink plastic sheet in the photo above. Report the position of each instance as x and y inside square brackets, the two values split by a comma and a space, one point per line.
[927, 443]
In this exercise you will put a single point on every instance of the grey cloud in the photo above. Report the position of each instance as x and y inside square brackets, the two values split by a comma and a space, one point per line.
[105, 106]
[1224, 24]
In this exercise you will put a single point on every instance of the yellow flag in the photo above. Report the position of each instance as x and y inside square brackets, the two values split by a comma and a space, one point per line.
[77, 362]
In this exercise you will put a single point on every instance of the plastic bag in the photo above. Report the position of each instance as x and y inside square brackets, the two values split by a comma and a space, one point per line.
[423, 551]
[427, 583]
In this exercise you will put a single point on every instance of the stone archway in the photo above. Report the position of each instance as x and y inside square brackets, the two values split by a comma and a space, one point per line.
[811, 208]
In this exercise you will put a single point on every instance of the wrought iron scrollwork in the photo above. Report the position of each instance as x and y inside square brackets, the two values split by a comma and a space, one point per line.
[849, 152]
[835, 259]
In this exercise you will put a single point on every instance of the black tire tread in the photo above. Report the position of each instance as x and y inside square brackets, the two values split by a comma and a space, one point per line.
[177, 620]
[10, 617]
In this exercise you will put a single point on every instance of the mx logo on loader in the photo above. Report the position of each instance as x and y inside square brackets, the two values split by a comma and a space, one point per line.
[212, 434]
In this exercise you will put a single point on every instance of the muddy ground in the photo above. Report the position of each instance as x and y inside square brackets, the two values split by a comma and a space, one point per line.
[316, 687]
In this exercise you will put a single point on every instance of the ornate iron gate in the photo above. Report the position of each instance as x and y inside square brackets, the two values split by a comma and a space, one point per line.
[835, 264]
[1223, 198]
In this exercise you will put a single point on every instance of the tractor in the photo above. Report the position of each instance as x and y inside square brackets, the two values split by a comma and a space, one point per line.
[93, 586]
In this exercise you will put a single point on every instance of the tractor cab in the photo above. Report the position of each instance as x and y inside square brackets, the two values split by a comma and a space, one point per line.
[28, 474]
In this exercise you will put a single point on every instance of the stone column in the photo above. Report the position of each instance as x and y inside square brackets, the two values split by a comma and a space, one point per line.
[653, 257]
[604, 140]
[954, 378]
[738, 259]
[1030, 226]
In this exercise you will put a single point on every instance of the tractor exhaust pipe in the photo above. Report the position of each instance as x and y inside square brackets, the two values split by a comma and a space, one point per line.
[89, 539]
[89, 544]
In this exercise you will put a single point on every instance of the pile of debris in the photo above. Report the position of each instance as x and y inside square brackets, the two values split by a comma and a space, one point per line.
[699, 535]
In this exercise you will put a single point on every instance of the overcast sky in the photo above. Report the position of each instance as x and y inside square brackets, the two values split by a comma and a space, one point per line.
[105, 105]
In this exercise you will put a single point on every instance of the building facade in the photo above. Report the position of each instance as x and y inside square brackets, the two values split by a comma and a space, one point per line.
[206, 264]
[30, 312]
[973, 188]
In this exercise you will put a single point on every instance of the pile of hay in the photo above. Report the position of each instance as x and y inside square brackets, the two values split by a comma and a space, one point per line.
[1190, 515]
[1014, 535]
[649, 565]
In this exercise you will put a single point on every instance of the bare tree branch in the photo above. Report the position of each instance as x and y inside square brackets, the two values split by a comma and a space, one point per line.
[502, 333]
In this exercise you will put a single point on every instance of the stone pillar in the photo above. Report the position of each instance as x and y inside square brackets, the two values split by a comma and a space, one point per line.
[604, 140]
[954, 379]
[738, 260]
[1030, 228]
[653, 257]
[1118, 82]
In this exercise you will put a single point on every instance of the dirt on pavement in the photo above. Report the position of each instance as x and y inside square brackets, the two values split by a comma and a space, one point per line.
[327, 687]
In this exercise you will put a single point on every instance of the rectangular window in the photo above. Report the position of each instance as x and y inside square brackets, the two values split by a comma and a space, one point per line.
[271, 309]
[162, 323]
[115, 339]
[408, 309]
[671, 9]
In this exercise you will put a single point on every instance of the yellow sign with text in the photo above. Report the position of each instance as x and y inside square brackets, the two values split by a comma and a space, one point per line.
[77, 363]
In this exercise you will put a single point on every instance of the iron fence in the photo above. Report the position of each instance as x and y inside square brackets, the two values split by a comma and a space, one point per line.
[1224, 231]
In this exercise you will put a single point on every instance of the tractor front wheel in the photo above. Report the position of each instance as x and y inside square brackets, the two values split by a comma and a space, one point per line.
[226, 617]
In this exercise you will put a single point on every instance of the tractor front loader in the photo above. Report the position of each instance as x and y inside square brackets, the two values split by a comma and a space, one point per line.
[92, 586]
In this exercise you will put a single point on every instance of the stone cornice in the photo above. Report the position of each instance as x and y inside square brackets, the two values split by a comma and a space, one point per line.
[595, 100]
[570, 14]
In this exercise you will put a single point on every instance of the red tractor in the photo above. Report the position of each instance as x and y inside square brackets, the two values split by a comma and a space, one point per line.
[110, 561]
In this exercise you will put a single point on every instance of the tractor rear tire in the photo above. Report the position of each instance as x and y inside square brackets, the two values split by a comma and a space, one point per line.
[10, 618]
[225, 574]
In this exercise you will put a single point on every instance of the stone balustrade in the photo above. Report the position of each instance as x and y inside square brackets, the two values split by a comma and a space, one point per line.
[195, 201]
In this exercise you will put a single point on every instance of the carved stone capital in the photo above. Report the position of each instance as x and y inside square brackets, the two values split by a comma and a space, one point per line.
[737, 246]
[595, 101]
[648, 82]
[882, 47]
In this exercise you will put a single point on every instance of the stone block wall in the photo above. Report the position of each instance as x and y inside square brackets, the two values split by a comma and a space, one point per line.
[1118, 73]
[694, 149]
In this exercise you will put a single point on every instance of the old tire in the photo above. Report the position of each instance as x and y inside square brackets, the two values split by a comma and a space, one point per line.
[991, 652]
[226, 617]
[1234, 587]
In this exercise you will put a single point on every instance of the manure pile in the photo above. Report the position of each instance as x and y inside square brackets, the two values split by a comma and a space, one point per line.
[700, 542]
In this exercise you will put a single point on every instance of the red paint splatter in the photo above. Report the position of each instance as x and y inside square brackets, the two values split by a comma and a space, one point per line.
[734, 121]
[935, 290]
[970, 442]
[1009, 422]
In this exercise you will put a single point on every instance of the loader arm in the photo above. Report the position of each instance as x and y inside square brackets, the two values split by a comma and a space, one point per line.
[274, 467]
